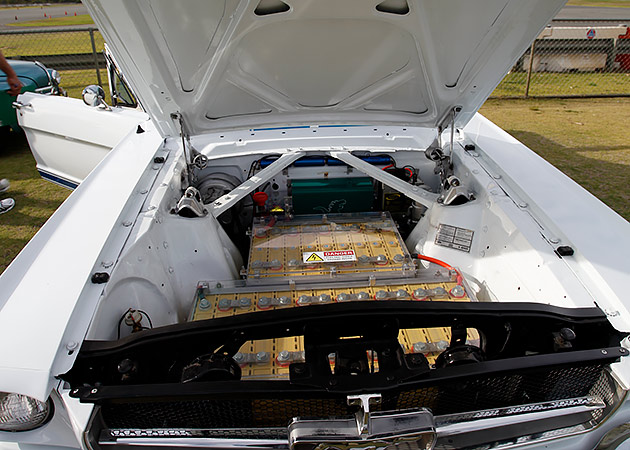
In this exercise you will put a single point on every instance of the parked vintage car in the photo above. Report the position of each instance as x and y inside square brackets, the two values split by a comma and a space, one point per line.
[310, 239]
[36, 78]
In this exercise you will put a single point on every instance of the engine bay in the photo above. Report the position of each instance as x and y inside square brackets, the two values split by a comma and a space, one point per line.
[329, 267]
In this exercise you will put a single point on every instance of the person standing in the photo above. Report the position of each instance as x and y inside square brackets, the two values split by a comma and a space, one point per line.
[15, 85]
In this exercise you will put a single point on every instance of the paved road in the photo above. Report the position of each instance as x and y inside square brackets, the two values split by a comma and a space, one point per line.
[7, 15]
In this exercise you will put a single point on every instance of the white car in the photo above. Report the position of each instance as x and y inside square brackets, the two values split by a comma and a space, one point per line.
[309, 239]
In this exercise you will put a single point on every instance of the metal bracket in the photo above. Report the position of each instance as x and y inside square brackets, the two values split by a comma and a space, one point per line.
[222, 204]
[362, 416]
[413, 192]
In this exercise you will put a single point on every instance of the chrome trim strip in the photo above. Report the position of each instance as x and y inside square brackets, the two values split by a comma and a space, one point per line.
[572, 414]
[496, 422]
[253, 444]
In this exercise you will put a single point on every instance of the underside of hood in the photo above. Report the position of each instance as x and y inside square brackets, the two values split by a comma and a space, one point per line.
[231, 63]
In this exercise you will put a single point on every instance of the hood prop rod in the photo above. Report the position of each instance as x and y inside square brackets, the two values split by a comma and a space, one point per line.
[193, 157]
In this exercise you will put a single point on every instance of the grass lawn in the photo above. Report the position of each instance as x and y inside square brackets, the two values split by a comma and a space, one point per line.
[49, 43]
[74, 81]
[586, 139]
[35, 198]
[63, 21]
[545, 83]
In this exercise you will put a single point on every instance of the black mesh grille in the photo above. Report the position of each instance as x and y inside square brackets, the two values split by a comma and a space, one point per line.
[442, 398]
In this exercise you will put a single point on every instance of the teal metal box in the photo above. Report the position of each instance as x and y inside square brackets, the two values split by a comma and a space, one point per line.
[335, 195]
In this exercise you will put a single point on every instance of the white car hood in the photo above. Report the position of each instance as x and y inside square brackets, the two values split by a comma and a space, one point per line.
[229, 63]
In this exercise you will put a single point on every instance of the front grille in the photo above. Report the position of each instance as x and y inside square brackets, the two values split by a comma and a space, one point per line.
[442, 397]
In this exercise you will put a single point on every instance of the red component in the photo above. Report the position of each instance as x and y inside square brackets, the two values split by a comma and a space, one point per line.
[260, 198]
[283, 363]
[443, 264]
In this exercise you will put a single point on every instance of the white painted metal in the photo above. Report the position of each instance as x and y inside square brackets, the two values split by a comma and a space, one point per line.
[225, 202]
[68, 138]
[50, 278]
[222, 66]
[566, 211]
[323, 62]
[413, 192]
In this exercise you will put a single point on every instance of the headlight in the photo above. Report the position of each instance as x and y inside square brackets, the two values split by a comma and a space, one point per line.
[22, 413]
[55, 76]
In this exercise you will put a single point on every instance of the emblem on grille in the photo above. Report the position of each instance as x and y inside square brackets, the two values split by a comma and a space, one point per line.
[369, 429]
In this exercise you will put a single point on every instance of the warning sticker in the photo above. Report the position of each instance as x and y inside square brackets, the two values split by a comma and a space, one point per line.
[334, 256]
[454, 237]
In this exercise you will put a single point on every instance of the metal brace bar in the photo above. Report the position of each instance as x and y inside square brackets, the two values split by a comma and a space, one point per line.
[222, 204]
[413, 192]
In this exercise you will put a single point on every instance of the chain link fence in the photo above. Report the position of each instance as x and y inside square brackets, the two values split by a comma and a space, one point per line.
[77, 54]
[584, 59]
[573, 60]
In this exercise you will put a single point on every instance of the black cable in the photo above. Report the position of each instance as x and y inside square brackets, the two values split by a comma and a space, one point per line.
[147, 316]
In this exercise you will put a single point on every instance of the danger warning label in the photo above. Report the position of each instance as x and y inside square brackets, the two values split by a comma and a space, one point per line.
[334, 256]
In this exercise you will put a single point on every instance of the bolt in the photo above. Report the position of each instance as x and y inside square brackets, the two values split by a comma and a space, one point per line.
[458, 291]
[225, 303]
[204, 304]
[262, 356]
[399, 258]
[264, 302]
[324, 298]
[284, 355]
[401, 293]
[420, 347]
[343, 297]
[381, 259]
[442, 345]
[107, 264]
[284, 300]
[363, 296]
[420, 294]
[304, 299]
[439, 292]
[245, 302]
[71, 345]
[126, 223]
[239, 357]
[381, 295]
